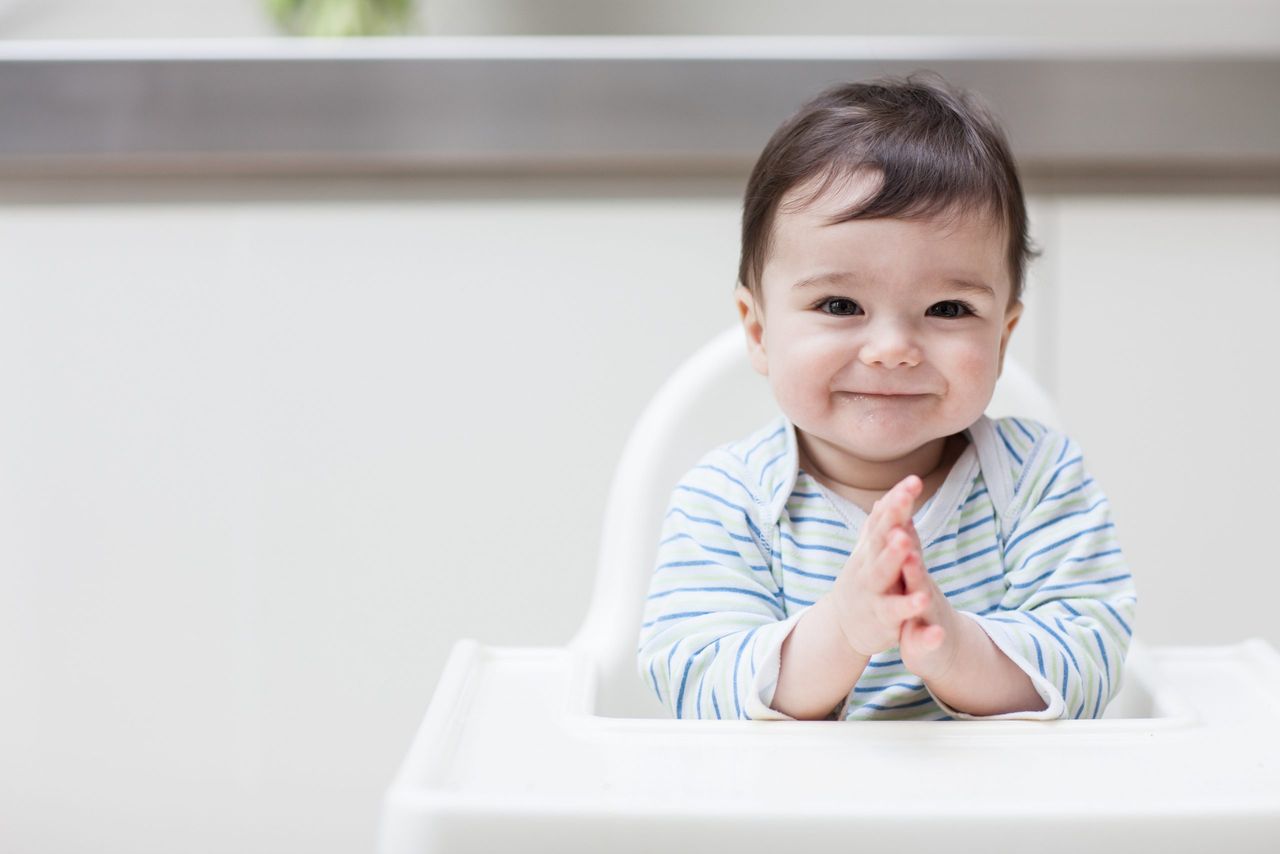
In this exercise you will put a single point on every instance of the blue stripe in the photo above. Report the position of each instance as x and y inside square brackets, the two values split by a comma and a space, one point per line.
[1024, 430]
[1068, 492]
[1119, 619]
[745, 488]
[964, 559]
[716, 522]
[1082, 583]
[769, 465]
[1044, 626]
[1039, 655]
[1092, 556]
[772, 600]
[1106, 661]
[704, 546]
[788, 597]
[1053, 521]
[881, 708]
[914, 686]
[736, 662]
[772, 435]
[746, 517]
[1017, 585]
[984, 520]
[674, 563]
[1007, 445]
[986, 580]
[1065, 670]
[684, 679]
[1057, 472]
[884, 663]
[654, 677]
[976, 495]
[1098, 702]
[816, 548]
[1066, 443]
[1062, 542]
[836, 523]
[675, 617]
[1060, 640]
[786, 567]
[714, 704]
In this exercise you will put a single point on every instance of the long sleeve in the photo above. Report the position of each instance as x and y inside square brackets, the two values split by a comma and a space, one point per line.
[714, 620]
[1067, 614]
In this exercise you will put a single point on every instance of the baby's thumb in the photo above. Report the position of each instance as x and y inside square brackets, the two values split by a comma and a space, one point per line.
[918, 633]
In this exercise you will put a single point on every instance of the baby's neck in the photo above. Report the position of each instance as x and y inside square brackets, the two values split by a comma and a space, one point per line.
[864, 481]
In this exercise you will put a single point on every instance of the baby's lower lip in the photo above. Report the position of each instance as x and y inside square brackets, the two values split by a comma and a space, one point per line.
[886, 396]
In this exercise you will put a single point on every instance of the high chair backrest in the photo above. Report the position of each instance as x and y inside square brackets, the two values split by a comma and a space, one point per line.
[713, 397]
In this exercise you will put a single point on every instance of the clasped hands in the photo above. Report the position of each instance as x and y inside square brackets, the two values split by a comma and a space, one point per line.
[884, 595]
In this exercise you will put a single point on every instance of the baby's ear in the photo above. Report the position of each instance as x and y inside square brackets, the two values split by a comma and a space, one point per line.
[753, 324]
[1011, 317]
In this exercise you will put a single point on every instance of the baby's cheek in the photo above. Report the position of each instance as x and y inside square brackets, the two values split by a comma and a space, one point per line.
[975, 372]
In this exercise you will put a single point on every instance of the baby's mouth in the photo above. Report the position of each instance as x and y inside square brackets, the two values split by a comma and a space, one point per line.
[867, 395]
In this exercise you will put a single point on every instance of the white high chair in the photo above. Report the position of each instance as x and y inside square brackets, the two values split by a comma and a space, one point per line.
[564, 749]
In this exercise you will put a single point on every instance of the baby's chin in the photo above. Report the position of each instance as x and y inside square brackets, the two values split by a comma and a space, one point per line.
[875, 448]
[883, 443]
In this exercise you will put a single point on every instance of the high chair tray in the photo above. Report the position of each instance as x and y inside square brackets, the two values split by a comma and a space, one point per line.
[510, 757]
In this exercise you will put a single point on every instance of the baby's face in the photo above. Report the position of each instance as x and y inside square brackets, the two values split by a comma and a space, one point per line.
[891, 351]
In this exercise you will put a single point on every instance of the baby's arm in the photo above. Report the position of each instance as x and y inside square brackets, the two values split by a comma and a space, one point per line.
[716, 634]
[1067, 615]
[862, 614]
[714, 619]
[973, 675]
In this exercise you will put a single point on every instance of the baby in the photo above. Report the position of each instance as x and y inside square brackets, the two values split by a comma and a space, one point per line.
[883, 549]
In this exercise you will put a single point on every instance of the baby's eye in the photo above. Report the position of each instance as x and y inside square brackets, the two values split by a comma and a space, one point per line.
[951, 308]
[843, 307]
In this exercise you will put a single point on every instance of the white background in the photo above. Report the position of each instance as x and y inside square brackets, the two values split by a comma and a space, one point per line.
[258, 434]
[259, 438]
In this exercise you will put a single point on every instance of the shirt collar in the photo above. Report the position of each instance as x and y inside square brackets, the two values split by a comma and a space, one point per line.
[773, 458]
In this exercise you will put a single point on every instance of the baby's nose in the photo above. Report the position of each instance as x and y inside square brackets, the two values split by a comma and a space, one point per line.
[890, 346]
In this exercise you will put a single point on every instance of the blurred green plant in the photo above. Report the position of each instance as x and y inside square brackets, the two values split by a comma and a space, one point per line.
[343, 17]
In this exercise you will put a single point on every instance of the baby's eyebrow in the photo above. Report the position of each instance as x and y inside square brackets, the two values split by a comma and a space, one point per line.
[950, 283]
[969, 286]
[823, 278]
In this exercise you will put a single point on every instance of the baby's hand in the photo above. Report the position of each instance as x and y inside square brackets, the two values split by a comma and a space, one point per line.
[868, 594]
[928, 641]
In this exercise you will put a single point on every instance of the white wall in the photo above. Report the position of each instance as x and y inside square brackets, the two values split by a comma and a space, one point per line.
[1196, 24]
[271, 447]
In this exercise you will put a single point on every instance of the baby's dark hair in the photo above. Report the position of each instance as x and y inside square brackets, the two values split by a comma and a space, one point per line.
[938, 150]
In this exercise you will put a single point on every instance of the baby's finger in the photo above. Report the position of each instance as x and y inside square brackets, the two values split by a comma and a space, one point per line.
[905, 607]
[927, 636]
[892, 508]
[887, 567]
[914, 574]
[910, 527]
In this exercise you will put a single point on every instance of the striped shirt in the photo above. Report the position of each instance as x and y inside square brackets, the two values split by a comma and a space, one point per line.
[1019, 537]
